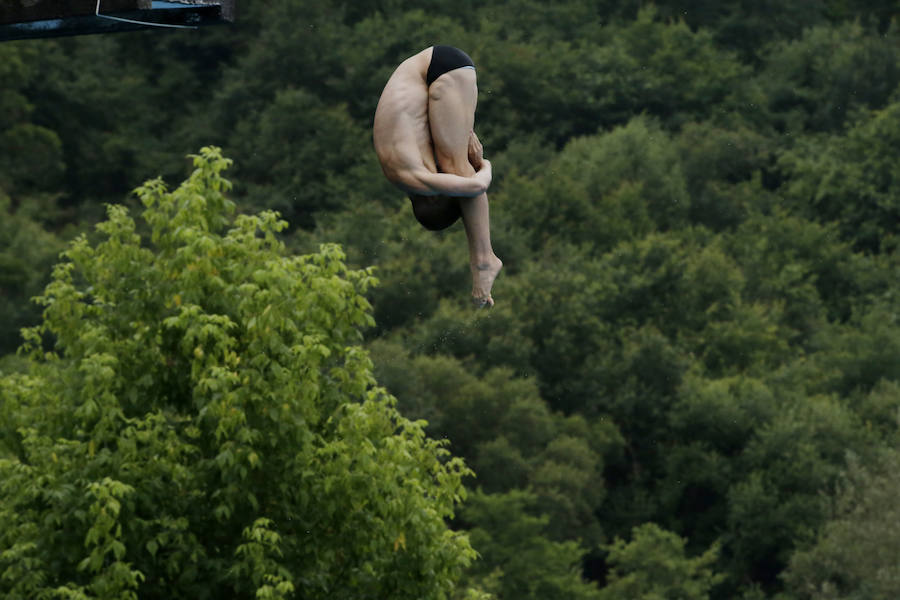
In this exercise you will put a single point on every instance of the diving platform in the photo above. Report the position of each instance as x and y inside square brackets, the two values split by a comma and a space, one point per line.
[25, 19]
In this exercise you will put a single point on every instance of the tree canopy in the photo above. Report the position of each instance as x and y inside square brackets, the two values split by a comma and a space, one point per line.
[205, 424]
[695, 327]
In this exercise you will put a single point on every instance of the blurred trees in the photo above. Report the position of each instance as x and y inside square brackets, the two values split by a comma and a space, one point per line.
[653, 566]
[31, 171]
[855, 553]
[30, 155]
[851, 179]
[697, 210]
[519, 559]
[27, 252]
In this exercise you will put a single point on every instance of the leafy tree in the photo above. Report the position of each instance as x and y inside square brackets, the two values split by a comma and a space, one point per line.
[503, 429]
[816, 81]
[519, 561]
[721, 164]
[604, 189]
[879, 409]
[26, 253]
[851, 180]
[30, 154]
[747, 27]
[668, 69]
[206, 424]
[696, 207]
[653, 566]
[602, 79]
[785, 467]
[310, 150]
[98, 99]
[855, 555]
[713, 421]
[804, 267]
[858, 356]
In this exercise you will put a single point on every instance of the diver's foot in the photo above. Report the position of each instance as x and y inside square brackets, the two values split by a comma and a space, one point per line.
[483, 276]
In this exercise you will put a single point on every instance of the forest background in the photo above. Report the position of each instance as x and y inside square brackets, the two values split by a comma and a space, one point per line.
[690, 383]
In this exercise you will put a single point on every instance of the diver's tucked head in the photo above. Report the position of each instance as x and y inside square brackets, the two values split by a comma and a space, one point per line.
[435, 212]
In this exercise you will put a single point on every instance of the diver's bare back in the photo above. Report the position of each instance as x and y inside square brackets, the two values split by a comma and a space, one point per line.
[401, 133]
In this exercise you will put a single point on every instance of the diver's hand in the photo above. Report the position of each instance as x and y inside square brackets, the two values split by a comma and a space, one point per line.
[485, 173]
[476, 151]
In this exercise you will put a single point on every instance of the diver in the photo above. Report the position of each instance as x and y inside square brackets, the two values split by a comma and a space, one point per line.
[425, 141]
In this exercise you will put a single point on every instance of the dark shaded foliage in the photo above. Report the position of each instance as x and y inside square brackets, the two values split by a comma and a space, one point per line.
[697, 210]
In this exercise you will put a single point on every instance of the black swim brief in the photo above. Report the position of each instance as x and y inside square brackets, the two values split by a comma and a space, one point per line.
[446, 58]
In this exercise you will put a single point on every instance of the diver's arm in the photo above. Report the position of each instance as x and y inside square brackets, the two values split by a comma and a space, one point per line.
[427, 183]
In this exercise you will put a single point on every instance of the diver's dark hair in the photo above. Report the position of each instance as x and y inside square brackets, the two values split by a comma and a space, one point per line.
[435, 212]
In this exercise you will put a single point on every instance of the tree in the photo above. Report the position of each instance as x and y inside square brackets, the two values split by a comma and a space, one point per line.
[26, 253]
[851, 179]
[519, 560]
[499, 424]
[720, 164]
[604, 189]
[206, 424]
[696, 207]
[783, 470]
[312, 151]
[856, 556]
[653, 566]
[30, 155]
[818, 80]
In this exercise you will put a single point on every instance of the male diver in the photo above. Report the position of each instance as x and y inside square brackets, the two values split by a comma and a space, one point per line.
[424, 138]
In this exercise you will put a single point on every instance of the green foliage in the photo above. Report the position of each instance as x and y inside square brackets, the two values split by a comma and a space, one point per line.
[721, 166]
[206, 424]
[668, 69]
[816, 81]
[854, 555]
[93, 81]
[859, 356]
[528, 565]
[804, 268]
[605, 189]
[26, 253]
[852, 179]
[309, 149]
[696, 207]
[653, 566]
[30, 154]
[786, 466]
[500, 425]
[602, 78]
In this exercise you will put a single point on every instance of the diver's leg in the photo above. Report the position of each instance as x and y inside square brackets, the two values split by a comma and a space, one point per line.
[483, 263]
[451, 115]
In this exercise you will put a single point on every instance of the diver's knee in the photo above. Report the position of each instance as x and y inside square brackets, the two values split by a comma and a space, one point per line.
[438, 89]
